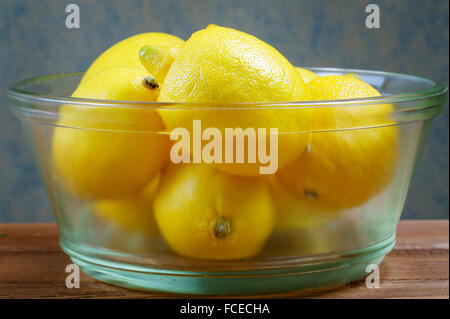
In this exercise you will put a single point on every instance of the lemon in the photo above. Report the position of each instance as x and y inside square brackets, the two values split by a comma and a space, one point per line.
[306, 74]
[343, 168]
[106, 152]
[126, 52]
[302, 242]
[132, 213]
[292, 213]
[158, 59]
[204, 213]
[220, 65]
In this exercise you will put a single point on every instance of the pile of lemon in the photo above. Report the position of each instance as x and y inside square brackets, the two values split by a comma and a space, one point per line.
[118, 157]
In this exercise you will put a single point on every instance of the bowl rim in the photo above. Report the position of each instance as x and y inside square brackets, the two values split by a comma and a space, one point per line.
[16, 93]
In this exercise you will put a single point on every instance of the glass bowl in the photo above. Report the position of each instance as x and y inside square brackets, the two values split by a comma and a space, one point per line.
[129, 215]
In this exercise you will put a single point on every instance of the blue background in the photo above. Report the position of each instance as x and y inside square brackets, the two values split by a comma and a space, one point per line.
[413, 38]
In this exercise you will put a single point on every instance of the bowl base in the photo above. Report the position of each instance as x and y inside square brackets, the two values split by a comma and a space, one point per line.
[311, 274]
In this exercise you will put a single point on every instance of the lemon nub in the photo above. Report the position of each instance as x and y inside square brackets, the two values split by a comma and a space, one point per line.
[311, 194]
[151, 82]
[222, 227]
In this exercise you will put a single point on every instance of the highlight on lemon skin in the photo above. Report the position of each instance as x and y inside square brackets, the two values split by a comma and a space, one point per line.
[343, 168]
[101, 152]
[126, 52]
[306, 74]
[213, 66]
[204, 213]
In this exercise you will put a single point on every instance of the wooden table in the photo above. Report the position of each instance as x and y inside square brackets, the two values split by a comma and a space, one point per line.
[33, 266]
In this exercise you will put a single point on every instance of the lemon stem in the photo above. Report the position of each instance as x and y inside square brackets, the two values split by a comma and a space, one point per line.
[150, 81]
[222, 227]
[311, 194]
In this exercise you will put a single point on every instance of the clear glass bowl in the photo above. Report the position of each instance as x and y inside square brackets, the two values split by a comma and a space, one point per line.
[315, 223]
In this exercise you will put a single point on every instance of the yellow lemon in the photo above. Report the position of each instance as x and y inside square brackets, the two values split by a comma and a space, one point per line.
[292, 213]
[343, 168]
[133, 213]
[126, 52]
[301, 242]
[106, 152]
[158, 59]
[220, 65]
[306, 74]
[205, 213]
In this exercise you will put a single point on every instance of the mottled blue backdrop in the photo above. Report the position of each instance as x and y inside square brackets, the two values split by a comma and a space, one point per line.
[413, 38]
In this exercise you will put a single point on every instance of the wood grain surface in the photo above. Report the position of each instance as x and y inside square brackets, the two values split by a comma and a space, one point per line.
[33, 266]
